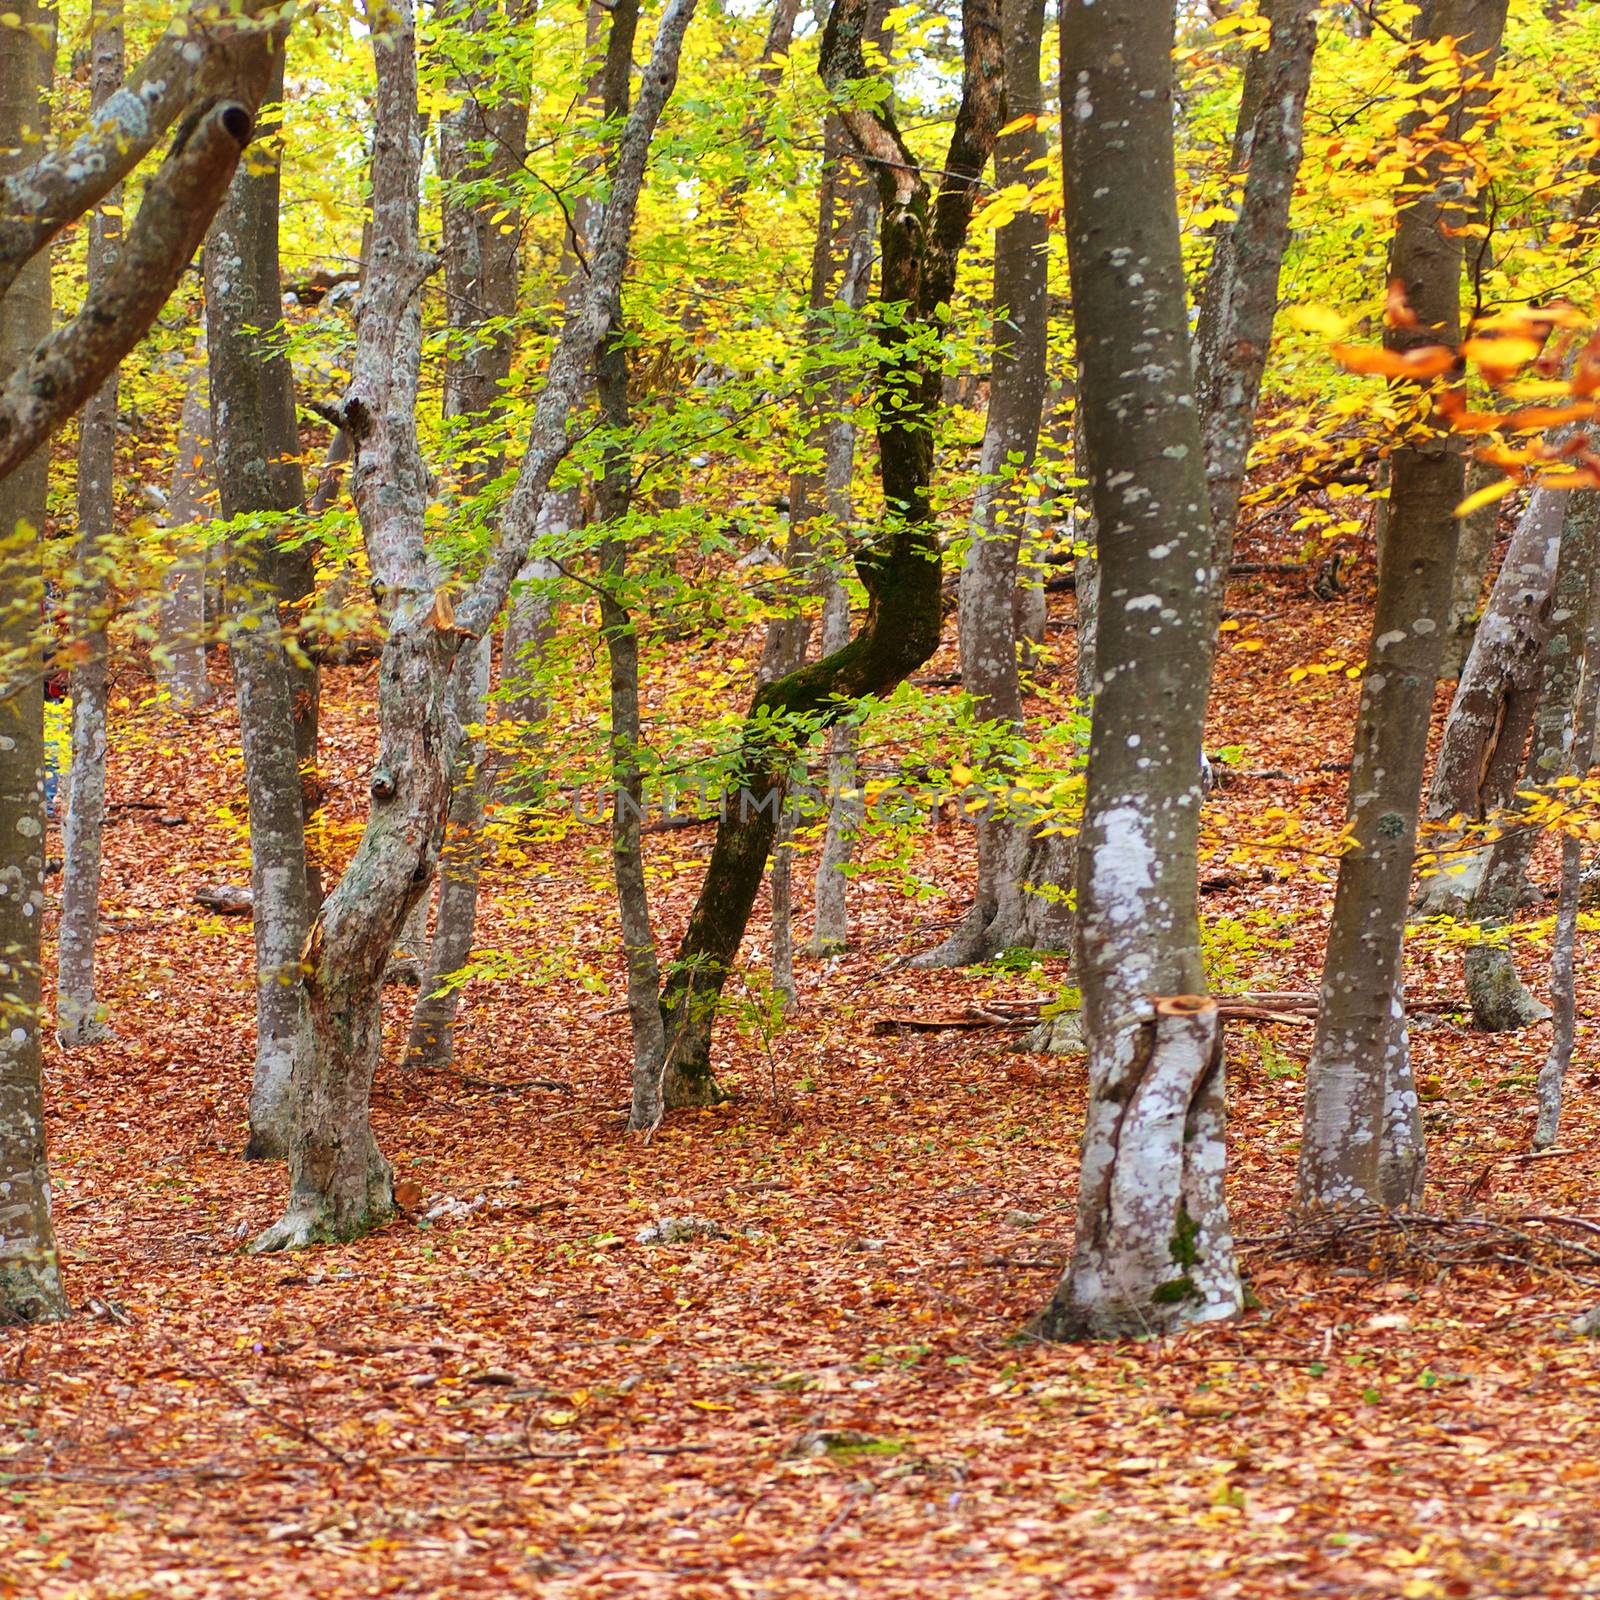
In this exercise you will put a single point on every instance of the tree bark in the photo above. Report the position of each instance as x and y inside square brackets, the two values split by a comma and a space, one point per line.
[1360, 1061]
[66, 366]
[1153, 1249]
[339, 1181]
[988, 604]
[901, 573]
[1239, 301]
[1473, 550]
[31, 1289]
[247, 400]
[1500, 1001]
[80, 1018]
[1582, 520]
[181, 658]
[481, 144]
[1486, 730]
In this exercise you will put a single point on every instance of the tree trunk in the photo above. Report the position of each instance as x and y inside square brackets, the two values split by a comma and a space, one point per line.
[1486, 730]
[1473, 552]
[1239, 301]
[1500, 1001]
[80, 1018]
[831, 910]
[1359, 1057]
[1153, 1250]
[482, 141]
[181, 659]
[248, 436]
[31, 1289]
[901, 573]
[339, 1181]
[988, 612]
[1580, 758]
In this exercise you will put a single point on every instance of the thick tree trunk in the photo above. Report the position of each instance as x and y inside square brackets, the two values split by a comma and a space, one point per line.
[988, 614]
[181, 659]
[339, 1181]
[1359, 1060]
[1501, 1002]
[31, 1289]
[1580, 758]
[80, 1018]
[1239, 301]
[1153, 1249]
[1486, 730]
[246, 399]
[920, 244]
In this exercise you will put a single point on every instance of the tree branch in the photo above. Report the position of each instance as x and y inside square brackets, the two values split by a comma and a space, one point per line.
[191, 60]
[66, 368]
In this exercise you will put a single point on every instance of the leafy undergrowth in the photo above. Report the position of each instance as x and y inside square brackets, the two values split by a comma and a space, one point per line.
[829, 1392]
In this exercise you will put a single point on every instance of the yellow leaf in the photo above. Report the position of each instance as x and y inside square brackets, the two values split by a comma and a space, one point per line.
[1486, 496]
[1017, 124]
[1319, 319]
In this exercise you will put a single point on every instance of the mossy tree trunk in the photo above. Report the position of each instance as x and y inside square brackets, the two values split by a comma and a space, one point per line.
[1359, 1098]
[1152, 1248]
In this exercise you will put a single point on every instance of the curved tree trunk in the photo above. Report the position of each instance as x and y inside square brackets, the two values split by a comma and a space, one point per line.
[339, 1181]
[1359, 1071]
[901, 572]
[80, 1018]
[1152, 1248]
[31, 1289]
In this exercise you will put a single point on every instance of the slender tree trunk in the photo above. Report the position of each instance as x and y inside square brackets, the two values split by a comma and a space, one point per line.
[831, 911]
[531, 620]
[482, 141]
[1153, 1249]
[80, 1018]
[1473, 552]
[1239, 301]
[988, 615]
[921, 241]
[31, 1289]
[1563, 991]
[1486, 730]
[1360, 1063]
[1501, 1002]
[432, 1041]
[252, 481]
[339, 1181]
[182, 655]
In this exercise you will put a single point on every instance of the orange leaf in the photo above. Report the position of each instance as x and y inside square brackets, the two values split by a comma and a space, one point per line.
[1427, 361]
[1397, 312]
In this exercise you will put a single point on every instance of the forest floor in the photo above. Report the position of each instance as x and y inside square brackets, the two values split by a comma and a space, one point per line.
[835, 1398]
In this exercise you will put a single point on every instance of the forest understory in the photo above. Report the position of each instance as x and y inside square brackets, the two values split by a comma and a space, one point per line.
[825, 1389]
